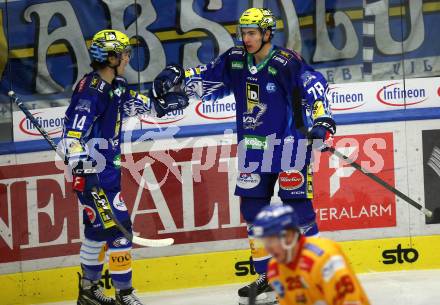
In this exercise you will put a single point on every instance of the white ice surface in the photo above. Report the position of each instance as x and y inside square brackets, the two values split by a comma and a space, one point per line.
[390, 288]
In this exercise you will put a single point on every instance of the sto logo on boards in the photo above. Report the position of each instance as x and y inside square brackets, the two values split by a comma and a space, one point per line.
[400, 255]
[244, 268]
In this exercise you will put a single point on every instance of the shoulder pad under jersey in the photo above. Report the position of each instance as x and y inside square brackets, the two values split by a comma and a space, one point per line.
[283, 57]
[92, 82]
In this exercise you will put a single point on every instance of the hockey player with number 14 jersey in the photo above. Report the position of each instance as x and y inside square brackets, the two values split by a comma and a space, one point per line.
[280, 105]
[92, 146]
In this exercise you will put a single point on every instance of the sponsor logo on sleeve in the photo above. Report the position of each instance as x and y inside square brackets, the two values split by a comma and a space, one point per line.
[101, 86]
[315, 249]
[334, 264]
[237, 51]
[248, 181]
[94, 82]
[285, 54]
[280, 59]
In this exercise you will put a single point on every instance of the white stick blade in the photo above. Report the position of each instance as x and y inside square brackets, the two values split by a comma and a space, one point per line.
[153, 242]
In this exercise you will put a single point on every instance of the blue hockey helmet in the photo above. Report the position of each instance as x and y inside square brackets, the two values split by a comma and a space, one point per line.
[274, 220]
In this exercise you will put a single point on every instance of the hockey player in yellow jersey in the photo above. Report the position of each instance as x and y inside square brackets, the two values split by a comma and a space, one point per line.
[305, 270]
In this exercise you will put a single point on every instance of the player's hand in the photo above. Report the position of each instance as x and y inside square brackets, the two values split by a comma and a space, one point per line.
[172, 76]
[119, 82]
[169, 102]
[322, 133]
[85, 178]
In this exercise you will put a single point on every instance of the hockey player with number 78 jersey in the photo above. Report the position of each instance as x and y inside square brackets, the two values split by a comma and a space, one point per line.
[280, 105]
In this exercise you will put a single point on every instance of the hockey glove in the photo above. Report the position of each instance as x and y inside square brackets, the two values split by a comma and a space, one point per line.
[136, 104]
[322, 133]
[119, 85]
[85, 178]
[171, 101]
[172, 76]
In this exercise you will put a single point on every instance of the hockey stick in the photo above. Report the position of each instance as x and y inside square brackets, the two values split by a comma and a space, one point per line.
[434, 216]
[104, 204]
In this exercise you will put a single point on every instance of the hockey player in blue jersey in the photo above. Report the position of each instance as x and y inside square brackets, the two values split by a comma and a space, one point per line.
[281, 106]
[91, 140]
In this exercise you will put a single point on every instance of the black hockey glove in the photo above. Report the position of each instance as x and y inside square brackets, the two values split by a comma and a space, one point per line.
[169, 102]
[322, 133]
[119, 85]
[172, 76]
[85, 177]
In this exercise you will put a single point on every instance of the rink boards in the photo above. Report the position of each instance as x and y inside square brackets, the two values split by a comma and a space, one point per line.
[208, 269]
[41, 223]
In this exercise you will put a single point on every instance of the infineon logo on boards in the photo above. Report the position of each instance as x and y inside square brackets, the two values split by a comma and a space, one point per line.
[345, 99]
[51, 125]
[219, 110]
[172, 117]
[397, 95]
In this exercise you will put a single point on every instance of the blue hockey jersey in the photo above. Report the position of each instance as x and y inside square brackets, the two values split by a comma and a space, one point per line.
[277, 101]
[92, 125]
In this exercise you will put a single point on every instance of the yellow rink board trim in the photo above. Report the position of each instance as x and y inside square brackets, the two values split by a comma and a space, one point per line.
[216, 268]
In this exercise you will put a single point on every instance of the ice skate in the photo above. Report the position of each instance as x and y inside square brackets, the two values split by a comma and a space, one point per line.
[90, 293]
[265, 295]
[127, 297]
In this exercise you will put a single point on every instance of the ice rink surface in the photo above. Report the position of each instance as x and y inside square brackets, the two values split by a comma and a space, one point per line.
[385, 288]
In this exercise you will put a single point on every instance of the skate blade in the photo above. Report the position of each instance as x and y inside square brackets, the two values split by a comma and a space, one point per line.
[265, 298]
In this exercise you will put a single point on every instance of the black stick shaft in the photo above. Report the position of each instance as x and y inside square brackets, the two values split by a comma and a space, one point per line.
[380, 181]
[34, 121]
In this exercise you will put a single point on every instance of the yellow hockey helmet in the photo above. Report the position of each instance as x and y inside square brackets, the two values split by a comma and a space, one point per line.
[261, 18]
[106, 41]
